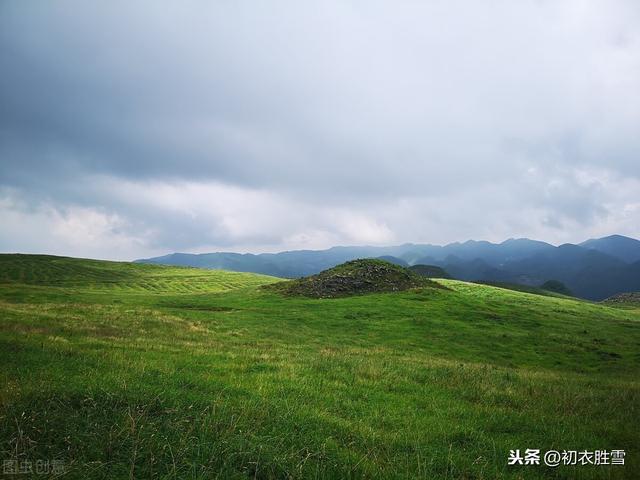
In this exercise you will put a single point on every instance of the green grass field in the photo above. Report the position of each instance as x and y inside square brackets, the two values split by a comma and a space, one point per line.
[121, 370]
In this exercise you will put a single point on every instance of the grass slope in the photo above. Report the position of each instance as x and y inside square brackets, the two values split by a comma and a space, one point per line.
[243, 382]
[81, 275]
[523, 288]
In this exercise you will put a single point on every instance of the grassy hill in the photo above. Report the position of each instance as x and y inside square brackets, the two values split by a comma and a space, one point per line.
[430, 271]
[136, 371]
[84, 275]
[524, 288]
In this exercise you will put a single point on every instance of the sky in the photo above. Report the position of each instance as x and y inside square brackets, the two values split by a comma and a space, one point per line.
[135, 129]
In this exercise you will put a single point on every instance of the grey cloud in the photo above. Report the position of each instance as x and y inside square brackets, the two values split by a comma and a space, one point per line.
[342, 105]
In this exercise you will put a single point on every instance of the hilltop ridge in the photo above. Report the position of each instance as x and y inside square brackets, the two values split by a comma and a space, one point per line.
[595, 269]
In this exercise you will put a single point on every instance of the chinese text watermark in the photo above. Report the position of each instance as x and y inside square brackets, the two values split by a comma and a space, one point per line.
[33, 467]
[555, 458]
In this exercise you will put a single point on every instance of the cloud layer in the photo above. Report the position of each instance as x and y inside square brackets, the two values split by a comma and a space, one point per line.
[134, 129]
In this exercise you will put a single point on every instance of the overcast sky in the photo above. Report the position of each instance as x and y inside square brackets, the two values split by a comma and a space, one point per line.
[132, 129]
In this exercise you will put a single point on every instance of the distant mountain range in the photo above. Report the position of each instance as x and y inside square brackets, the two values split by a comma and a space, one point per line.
[595, 269]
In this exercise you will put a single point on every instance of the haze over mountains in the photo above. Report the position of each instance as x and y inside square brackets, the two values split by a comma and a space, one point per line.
[594, 269]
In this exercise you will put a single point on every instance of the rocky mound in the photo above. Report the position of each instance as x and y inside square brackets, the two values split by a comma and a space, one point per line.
[631, 299]
[353, 278]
